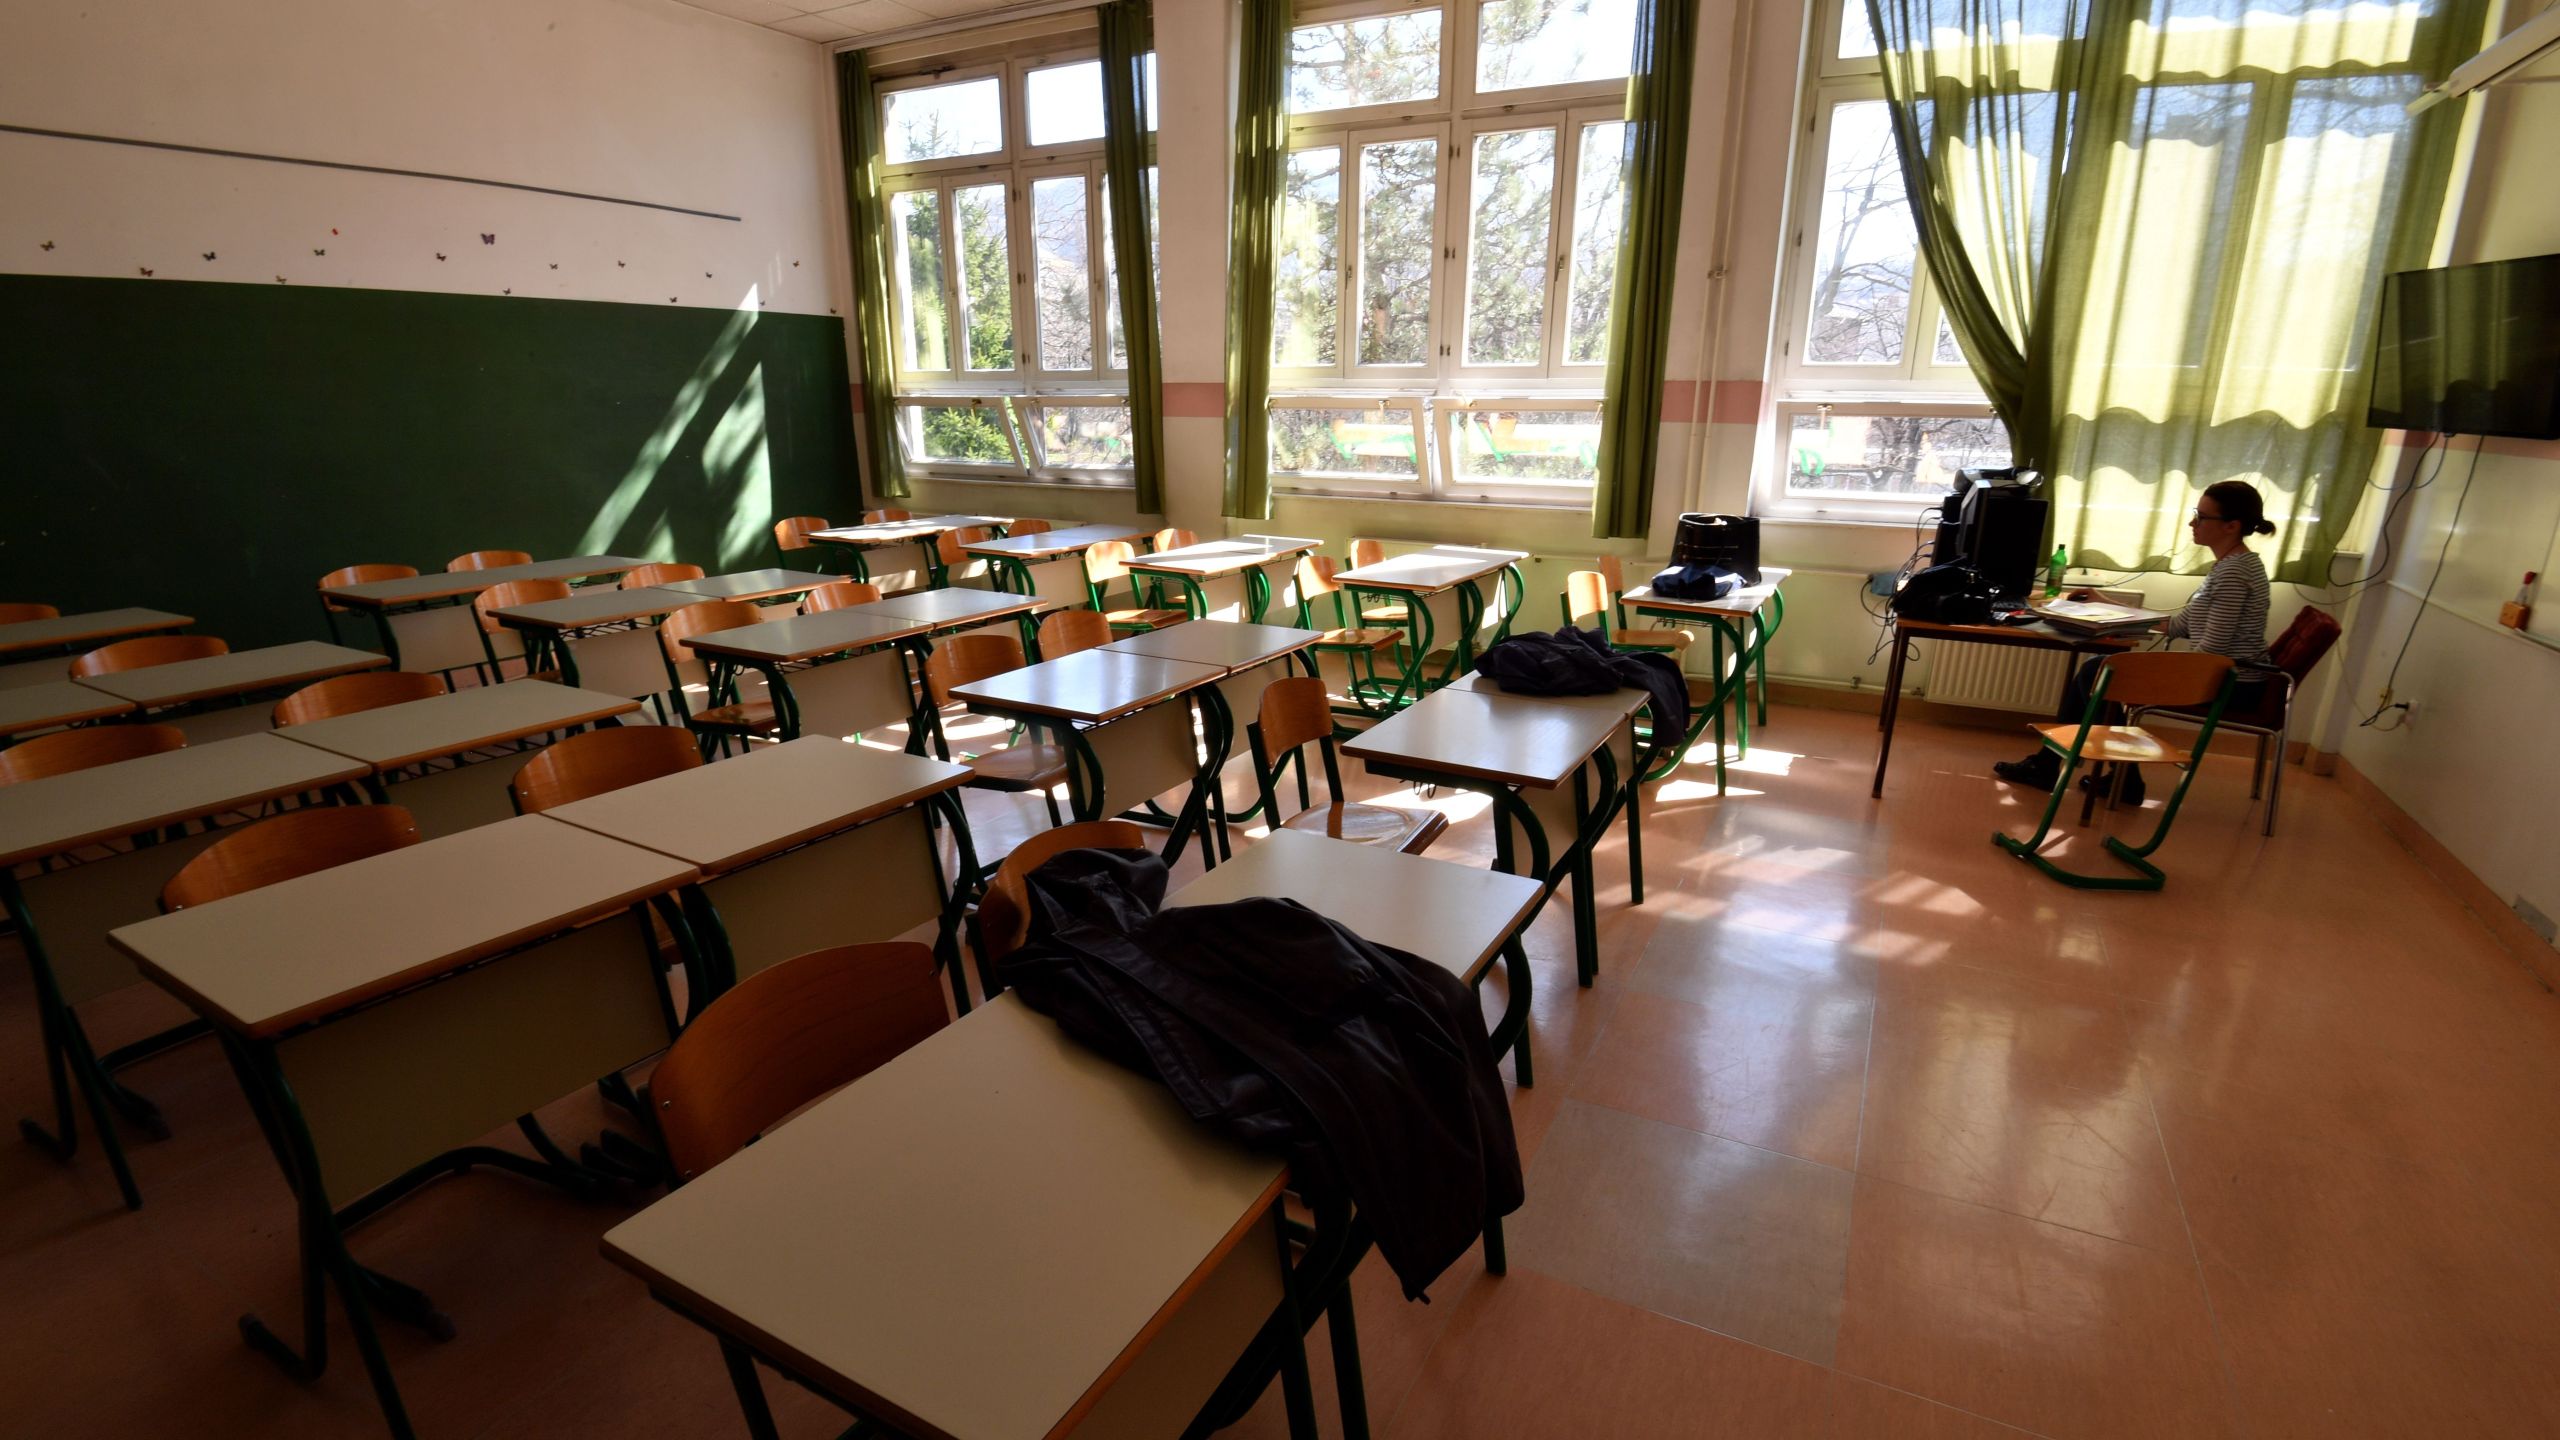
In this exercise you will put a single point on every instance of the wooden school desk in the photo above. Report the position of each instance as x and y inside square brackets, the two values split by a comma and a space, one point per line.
[2035, 636]
[802, 846]
[239, 675]
[923, 532]
[1037, 564]
[1744, 621]
[426, 621]
[66, 635]
[1423, 581]
[1228, 579]
[599, 638]
[382, 1015]
[30, 708]
[391, 738]
[769, 584]
[1124, 745]
[1519, 752]
[872, 685]
[947, 610]
[63, 914]
[1063, 1251]
[1249, 658]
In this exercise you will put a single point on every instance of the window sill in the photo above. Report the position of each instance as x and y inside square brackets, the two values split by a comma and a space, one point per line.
[1436, 502]
[1021, 482]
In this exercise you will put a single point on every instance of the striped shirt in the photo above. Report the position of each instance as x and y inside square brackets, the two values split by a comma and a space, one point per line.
[2228, 615]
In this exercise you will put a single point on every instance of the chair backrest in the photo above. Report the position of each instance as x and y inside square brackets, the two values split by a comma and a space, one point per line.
[17, 612]
[1366, 552]
[787, 1035]
[879, 517]
[842, 595]
[291, 845]
[489, 559]
[1107, 560]
[964, 658]
[1029, 526]
[1004, 915]
[347, 694]
[148, 650]
[361, 575]
[1315, 575]
[64, 751]
[1295, 710]
[508, 594]
[2166, 677]
[1174, 537]
[1613, 570]
[947, 545]
[705, 618]
[1586, 592]
[793, 533]
[2304, 642]
[1067, 631]
[659, 573]
[600, 760]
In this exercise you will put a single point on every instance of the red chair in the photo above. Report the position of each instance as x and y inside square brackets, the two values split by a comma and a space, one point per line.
[2294, 653]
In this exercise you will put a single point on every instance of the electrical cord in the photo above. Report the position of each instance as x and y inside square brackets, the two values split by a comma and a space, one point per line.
[2451, 527]
[2400, 493]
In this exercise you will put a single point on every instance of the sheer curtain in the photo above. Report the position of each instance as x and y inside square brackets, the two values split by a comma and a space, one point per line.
[2159, 227]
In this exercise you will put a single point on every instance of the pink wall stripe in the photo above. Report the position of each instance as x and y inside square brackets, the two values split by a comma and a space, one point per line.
[1195, 399]
[1728, 402]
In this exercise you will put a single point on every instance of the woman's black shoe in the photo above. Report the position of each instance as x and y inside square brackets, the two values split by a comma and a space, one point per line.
[2101, 779]
[2036, 772]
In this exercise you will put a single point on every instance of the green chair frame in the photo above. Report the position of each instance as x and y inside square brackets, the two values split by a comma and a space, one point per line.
[2147, 876]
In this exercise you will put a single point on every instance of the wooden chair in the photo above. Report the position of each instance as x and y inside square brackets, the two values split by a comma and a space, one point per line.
[330, 609]
[1174, 537]
[882, 517]
[1029, 527]
[2295, 654]
[1107, 561]
[18, 612]
[785, 1036]
[147, 650]
[1358, 644]
[488, 560]
[90, 746]
[949, 560]
[842, 595]
[1065, 632]
[348, 694]
[660, 573]
[1015, 769]
[501, 643]
[793, 533]
[2158, 680]
[596, 761]
[286, 847]
[724, 714]
[1384, 612]
[1589, 593]
[1295, 712]
[1004, 912]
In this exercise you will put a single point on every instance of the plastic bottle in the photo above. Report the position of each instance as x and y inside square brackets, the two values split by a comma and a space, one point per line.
[2053, 571]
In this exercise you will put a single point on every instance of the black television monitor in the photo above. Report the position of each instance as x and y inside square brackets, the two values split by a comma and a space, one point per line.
[2470, 350]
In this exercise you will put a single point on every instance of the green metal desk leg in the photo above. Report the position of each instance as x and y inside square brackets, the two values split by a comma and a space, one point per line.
[70, 1064]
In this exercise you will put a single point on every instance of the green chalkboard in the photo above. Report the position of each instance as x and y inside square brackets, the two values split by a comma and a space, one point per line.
[214, 449]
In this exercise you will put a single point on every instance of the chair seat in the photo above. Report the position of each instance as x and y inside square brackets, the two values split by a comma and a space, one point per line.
[1358, 639]
[1383, 614]
[1145, 619]
[2114, 744]
[755, 717]
[1410, 831]
[1018, 767]
[1650, 639]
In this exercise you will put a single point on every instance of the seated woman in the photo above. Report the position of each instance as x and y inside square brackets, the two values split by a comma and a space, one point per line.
[2228, 616]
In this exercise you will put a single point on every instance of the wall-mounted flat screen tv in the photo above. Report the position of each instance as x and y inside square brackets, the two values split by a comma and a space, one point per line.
[2470, 350]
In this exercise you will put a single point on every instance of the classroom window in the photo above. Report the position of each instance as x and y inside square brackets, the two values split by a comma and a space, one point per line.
[1889, 452]
[1448, 236]
[1010, 358]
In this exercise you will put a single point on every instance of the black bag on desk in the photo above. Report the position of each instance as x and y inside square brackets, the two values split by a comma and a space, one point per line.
[1728, 542]
[1946, 595]
[1582, 662]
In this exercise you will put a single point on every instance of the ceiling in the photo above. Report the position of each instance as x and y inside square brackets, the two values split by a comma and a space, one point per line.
[831, 20]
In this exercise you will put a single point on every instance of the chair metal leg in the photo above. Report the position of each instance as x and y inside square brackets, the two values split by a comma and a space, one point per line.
[2258, 768]
[2275, 788]
[742, 1378]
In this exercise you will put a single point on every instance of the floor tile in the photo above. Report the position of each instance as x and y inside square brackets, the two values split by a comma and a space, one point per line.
[1766, 1062]
[1864, 1410]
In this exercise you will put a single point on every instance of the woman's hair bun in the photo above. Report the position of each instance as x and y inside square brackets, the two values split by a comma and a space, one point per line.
[2263, 527]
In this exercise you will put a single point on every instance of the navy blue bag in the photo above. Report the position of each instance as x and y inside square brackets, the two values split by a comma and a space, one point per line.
[1695, 582]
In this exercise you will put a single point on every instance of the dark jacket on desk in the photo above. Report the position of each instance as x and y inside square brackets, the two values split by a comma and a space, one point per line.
[1367, 1067]
[1582, 662]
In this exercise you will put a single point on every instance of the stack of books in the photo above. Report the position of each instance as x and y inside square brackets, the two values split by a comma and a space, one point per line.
[2096, 617]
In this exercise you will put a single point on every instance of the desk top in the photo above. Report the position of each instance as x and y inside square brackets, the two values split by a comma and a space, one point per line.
[2035, 635]
[98, 625]
[447, 584]
[57, 702]
[1222, 557]
[1507, 739]
[391, 736]
[1622, 702]
[1745, 600]
[59, 812]
[1091, 685]
[1048, 543]
[902, 532]
[752, 584]
[805, 637]
[1428, 572]
[1226, 644]
[722, 816]
[1455, 916]
[595, 605]
[237, 673]
[971, 1241]
[952, 606]
[269, 960]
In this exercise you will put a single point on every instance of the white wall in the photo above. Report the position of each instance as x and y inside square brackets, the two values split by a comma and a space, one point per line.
[642, 99]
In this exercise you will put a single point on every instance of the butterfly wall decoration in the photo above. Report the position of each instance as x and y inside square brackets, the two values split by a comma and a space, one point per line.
[488, 239]
[208, 254]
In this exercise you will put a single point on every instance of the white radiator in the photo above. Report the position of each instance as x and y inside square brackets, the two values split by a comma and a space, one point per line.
[1997, 677]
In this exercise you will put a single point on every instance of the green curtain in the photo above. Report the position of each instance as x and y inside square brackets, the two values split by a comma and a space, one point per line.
[1261, 163]
[867, 221]
[2159, 228]
[1657, 154]
[1127, 36]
